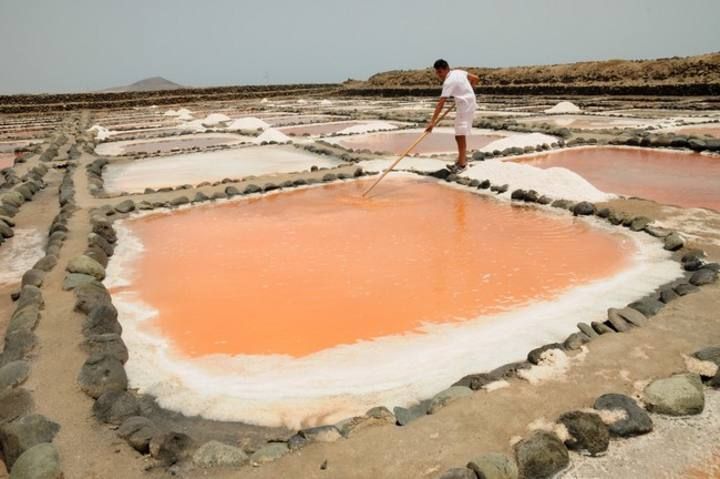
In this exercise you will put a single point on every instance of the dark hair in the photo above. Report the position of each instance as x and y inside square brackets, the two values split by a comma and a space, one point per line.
[441, 65]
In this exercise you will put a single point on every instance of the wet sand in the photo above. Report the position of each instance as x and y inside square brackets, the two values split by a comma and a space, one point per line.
[6, 160]
[397, 143]
[683, 179]
[300, 272]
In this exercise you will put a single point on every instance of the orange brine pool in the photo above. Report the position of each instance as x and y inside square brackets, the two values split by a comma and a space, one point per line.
[683, 179]
[306, 270]
[397, 143]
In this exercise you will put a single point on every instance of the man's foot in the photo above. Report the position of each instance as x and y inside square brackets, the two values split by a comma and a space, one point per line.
[456, 168]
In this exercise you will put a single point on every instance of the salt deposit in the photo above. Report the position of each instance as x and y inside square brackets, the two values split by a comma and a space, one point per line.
[520, 141]
[343, 381]
[101, 133]
[554, 182]
[19, 253]
[368, 127]
[215, 118]
[192, 168]
[409, 163]
[326, 102]
[170, 113]
[248, 123]
[564, 107]
[272, 134]
[113, 148]
[301, 101]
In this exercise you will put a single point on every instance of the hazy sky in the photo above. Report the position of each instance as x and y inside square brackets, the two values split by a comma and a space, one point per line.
[80, 45]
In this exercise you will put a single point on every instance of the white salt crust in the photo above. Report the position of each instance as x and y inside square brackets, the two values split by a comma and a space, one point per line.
[325, 387]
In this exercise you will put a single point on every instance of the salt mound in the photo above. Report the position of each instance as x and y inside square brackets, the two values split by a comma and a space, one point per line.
[554, 182]
[248, 123]
[519, 141]
[272, 135]
[301, 101]
[215, 118]
[212, 119]
[564, 107]
[264, 100]
[101, 133]
[368, 127]
[171, 113]
[326, 102]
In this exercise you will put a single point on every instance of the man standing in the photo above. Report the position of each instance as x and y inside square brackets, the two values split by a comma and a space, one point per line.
[460, 85]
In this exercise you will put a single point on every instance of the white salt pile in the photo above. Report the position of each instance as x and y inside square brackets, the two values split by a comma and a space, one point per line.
[564, 107]
[248, 123]
[273, 135]
[554, 182]
[101, 133]
[519, 141]
[264, 100]
[215, 118]
[301, 101]
[326, 102]
[171, 113]
[368, 127]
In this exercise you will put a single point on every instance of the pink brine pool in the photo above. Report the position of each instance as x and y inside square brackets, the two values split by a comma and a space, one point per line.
[684, 179]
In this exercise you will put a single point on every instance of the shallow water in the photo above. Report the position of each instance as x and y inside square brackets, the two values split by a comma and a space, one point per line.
[193, 168]
[683, 179]
[300, 272]
[397, 143]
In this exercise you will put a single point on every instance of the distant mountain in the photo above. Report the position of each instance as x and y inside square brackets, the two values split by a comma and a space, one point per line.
[148, 84]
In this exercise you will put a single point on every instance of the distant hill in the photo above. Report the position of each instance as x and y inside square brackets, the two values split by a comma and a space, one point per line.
[614, 74]
[148, 84]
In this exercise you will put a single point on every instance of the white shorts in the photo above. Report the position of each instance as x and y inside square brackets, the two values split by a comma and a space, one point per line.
[463, 123]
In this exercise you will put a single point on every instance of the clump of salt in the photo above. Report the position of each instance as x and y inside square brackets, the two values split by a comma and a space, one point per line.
[272, 135]
[564, 107]
[248, 123]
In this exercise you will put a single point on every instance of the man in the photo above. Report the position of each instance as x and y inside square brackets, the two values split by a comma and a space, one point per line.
[460, 85]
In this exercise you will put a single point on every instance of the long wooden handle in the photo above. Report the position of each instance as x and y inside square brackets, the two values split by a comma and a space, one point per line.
[407, 152]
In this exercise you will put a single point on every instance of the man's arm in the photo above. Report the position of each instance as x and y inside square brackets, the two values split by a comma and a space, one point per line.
[473, 79]
[436, 113]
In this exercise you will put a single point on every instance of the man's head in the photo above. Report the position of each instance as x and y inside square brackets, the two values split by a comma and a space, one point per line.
[441, 68]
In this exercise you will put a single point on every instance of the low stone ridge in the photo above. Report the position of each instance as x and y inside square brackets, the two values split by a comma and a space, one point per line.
[636, 420]
[101, 374]
[217, 454]
[679, 395]
[138, 431]
[85, 265]
[445, 397]
[38, 462]
[535, 355]
[13, 374]
[673, 242]
[114, 407]
[23, 433]
[170, 448]
[587, 432]
[404, 416]
[541, 455]
[494, 466]
[475, 381]
[269, 453]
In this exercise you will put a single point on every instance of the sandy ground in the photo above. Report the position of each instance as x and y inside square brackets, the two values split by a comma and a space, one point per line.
[483, 422]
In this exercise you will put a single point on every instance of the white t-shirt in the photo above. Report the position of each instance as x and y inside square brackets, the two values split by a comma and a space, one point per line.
[458, 86]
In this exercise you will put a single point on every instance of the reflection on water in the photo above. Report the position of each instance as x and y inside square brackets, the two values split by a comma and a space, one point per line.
[683, 179]
[303, 271]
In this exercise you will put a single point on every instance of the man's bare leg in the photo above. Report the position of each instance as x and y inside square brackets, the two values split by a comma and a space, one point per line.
[462, 149]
